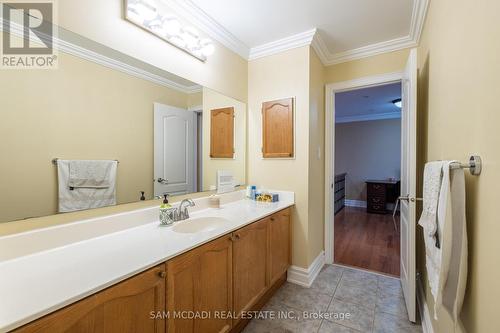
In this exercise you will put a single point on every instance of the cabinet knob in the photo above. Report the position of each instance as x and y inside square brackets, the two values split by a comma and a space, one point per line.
[238, 236]
[162, 274]
[272, 218]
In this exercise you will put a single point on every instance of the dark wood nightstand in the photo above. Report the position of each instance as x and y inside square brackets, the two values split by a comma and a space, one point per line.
[379, 193]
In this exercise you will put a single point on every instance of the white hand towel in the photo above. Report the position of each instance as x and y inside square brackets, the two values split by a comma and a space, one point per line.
[455, 249]
[433, 175]
[80, 198]
[90, 173]
[446, 259]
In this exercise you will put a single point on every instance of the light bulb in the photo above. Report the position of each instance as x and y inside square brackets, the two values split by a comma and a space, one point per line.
[157, 27]
[190, 36]
[172, 26]
[178, 41]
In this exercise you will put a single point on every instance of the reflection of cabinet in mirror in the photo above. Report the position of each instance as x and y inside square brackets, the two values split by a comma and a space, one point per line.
[277, 128]
[222, 133]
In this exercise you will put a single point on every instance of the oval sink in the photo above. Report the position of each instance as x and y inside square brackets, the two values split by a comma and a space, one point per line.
[199, 224]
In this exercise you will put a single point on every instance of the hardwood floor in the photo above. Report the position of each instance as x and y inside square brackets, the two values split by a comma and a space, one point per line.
[367, 241]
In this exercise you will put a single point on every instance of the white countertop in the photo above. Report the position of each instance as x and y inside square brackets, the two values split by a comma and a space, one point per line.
[40, 271]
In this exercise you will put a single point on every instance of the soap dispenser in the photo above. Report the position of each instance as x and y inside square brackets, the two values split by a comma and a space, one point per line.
[166, 211]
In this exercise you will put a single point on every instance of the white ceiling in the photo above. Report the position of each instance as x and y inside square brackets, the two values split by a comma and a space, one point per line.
[344, 24]
[345, 29]
[368, 103]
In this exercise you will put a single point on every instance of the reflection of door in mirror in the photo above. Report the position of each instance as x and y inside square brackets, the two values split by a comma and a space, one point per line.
[175, 162]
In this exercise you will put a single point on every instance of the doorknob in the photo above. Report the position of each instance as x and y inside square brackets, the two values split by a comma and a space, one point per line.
[162, 181]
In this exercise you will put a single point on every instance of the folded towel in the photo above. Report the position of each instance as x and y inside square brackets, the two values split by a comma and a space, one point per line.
[454, 260]
[433, 175]
[90, 173]
[447, 263]
[73, 198]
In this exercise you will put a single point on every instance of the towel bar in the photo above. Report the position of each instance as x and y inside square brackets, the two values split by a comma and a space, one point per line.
[54, 161]
[474, 165]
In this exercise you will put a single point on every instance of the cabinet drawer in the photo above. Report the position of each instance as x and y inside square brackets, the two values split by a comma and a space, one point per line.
[376, 208]
[377, 200]
[376, 189]
[339, 195]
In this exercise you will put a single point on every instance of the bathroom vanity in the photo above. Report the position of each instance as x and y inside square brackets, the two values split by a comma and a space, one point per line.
[128, 274]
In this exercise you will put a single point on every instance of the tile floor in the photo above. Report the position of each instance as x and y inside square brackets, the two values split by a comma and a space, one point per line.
[350, 300]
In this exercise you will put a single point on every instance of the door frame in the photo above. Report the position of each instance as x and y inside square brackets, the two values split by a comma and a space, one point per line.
[330, 90]
[198, 165]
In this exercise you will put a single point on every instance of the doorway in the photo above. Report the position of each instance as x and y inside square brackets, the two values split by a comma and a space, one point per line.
[367, 178]
[407, 227]
[175, 150]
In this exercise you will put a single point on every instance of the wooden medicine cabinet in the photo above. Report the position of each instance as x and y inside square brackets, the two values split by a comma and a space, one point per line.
[277, 128]
[222, 133]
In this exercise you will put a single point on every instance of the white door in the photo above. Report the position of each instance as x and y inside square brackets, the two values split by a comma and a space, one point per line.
[174, 149]
[408, 183]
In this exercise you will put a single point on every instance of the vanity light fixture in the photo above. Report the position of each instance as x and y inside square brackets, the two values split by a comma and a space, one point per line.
[147, 15]
[397, 102]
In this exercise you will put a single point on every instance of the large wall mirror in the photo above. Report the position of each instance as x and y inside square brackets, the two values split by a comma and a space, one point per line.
[158, 130]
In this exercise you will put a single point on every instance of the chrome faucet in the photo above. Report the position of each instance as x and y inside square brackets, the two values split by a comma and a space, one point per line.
[182, 213]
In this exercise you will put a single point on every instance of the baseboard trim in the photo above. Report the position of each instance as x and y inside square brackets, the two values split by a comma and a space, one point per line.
[306, 276]
[423, 309]
[355, 203]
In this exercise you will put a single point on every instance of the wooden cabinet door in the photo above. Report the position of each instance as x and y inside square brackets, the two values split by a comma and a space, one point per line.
[222, 133]
[129, 306]
[250, 276]
[277, 128]
[279, 244]
[200, 287]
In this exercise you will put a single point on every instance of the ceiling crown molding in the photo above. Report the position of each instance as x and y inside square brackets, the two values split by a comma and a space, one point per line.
[196, 16]
[368, 117]
[416, 26]
[280, 45]
[101, 59]
[204, 22]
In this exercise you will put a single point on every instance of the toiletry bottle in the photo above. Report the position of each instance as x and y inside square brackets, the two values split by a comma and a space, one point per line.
[253, 192]
[165, 210]
[142, 196]
[249, 192]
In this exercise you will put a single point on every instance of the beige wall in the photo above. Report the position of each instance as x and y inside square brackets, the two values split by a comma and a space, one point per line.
[214, 100]
[103, 22]
[274, 77]
[195, 100]
[367, 150]
[68, 113]
[380, 64]
[459, 85]
[316, 218]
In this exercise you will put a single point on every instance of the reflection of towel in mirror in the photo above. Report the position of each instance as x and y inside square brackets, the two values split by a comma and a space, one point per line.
[90, 173]
[447, 264]
[86, 184]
